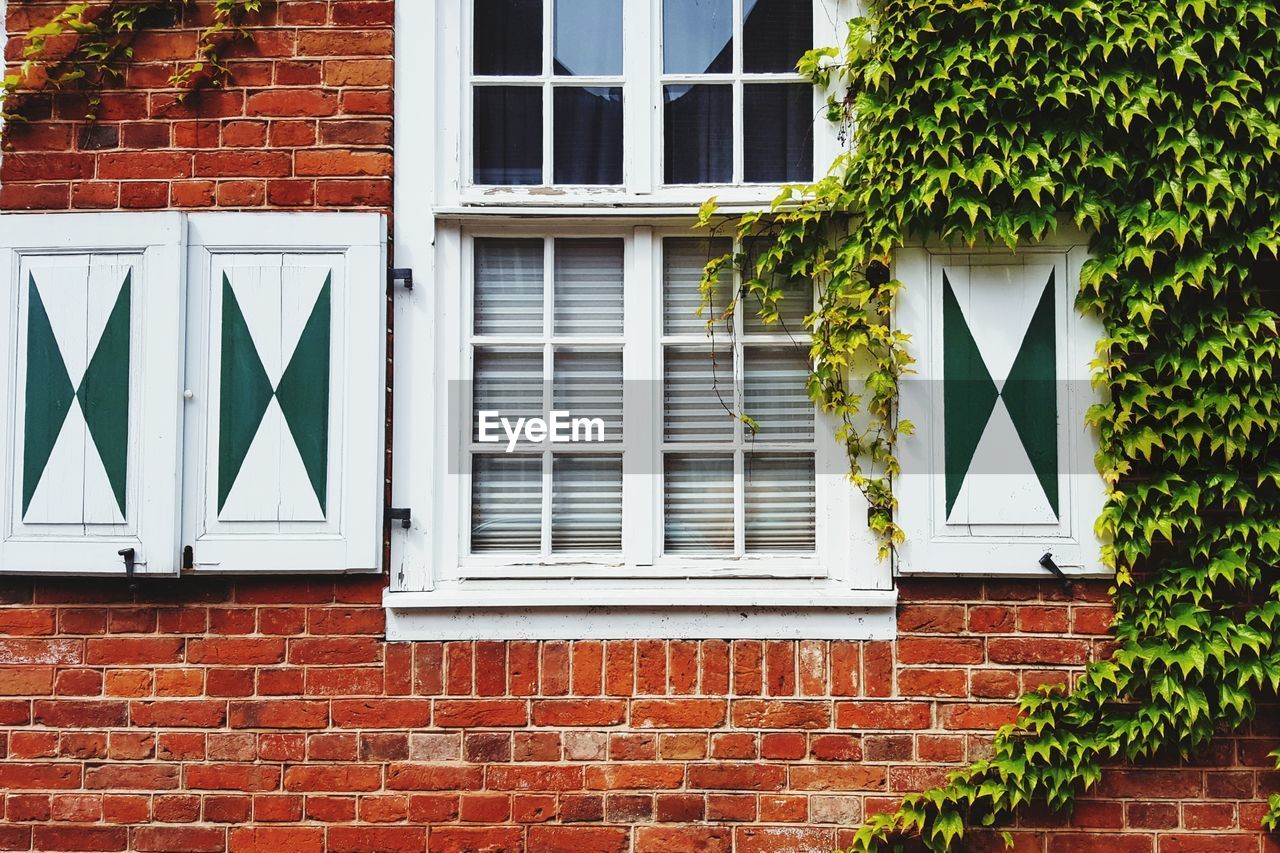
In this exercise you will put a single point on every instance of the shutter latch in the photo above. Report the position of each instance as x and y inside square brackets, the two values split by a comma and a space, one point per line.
[401, 274]
[128, 554]
[1047, 562]
[404, 515]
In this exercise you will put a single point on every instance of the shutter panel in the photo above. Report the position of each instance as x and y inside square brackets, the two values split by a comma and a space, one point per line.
[1000, 469]
[92, 326]
[285, 436]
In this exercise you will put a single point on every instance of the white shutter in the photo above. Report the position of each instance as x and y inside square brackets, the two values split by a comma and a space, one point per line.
[286, 339]
[999, 471]
[92, 330]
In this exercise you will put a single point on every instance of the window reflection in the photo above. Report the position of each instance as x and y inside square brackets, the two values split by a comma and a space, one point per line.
[588, 135]
[697, 36]
[777, 133]
[588, 37]
[775, 34]
[507, 135]
[698, 134]
[508, 36]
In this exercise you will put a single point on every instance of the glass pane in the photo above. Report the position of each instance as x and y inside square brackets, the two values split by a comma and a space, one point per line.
[698, 504]
[779, 502]
[588, 286]
[508, 37]
[588, 135]
[697, 36]
[588, 386]
[508, 383]
[588, 37]
[506, 503]
[683, 260]
[586, 503]
[508, 287]
[775, 34]
[796, 303]
[778, 132]
[775, 393]
[507, 126]
[698, 134]
[697, 394]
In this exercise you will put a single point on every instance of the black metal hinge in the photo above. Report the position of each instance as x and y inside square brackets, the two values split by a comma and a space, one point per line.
[400, 274]
[404, 515]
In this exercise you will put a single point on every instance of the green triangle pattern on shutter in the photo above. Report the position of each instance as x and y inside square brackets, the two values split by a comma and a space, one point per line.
[49, 394]
[968, 393]
[104, 394]
[244, 394]
[1031, 398]
[303, 393]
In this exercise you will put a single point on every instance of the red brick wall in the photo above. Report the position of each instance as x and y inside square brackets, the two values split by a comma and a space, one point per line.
[307, 125]
[270, 715]
[203, 714]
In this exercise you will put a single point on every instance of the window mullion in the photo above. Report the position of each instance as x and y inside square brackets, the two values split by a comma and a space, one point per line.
[641, 481]
[640, 110]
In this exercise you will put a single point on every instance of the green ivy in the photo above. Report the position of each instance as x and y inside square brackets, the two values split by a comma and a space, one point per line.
[1155, 126]
[88, 46]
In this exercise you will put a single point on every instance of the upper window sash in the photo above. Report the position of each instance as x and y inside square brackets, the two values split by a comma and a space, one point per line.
[641, 87]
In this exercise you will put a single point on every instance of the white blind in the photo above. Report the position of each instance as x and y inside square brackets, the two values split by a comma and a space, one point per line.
[683, 260]
[775, 393]
[698, 395]
[506, 503]
[586, 503]
[508, 286]
[588, 287]
[507, 381]
[698, 512]
[588, 385]
[779, 502]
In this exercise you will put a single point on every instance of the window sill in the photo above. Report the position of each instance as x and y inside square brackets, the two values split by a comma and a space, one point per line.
[640, 613]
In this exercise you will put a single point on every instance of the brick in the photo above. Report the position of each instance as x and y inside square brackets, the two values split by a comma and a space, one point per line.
[834, 777]
[468, 839]
[792, 839]
[178, 713]
[578, 712]
[480, 712]
[68, 713]
[179, 839]
[1041, 650]
[272, 839]
[883, 715]
[574, 839]
[382, 713]
[683, 839]
[624, 776]
[344, 777]
[433, 777]
[678, 713]
[386, 839]
[39, 777]
[231, 777]
[793, 714]
[737, 777]
[140, 777]
[29, 652]
[279, 714]
[132, 650]
[101, 838]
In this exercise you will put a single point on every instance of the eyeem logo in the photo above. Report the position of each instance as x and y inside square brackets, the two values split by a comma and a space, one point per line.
[562, 428]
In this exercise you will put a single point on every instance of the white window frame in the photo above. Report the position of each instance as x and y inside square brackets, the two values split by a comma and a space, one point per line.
[431, 218]
[642, 82]
[1004, 551]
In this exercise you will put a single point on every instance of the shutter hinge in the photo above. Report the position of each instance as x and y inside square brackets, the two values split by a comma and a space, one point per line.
[404, 515]
[401, 274]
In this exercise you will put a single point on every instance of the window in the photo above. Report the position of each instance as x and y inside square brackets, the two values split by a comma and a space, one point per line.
[233, 427]
[999, 471]
[633, 96]
[549, 332]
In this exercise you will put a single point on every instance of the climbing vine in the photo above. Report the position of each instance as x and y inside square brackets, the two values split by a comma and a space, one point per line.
[88, 46]
[1154, 125]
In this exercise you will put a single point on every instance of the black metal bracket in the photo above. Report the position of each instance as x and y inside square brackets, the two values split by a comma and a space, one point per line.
[400, 274]
[1047, 562]
[129, 555]
[404, 515]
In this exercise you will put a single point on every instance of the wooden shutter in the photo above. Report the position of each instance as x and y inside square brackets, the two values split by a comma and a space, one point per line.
[1000, 469]
[285, 424]
[91, 329]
